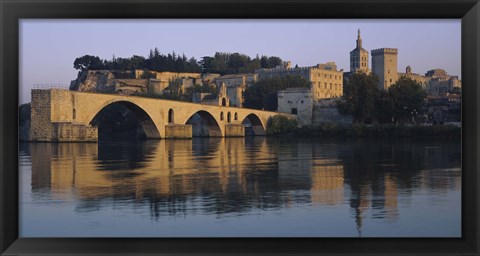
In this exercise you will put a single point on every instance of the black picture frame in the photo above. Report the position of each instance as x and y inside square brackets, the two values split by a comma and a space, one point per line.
[13, 10]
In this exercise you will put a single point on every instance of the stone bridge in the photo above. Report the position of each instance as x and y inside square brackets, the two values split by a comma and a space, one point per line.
[63, 115]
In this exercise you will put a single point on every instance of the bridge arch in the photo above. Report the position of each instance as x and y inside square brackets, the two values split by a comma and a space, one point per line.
[204, 124]
[144, 119]
[254, 125]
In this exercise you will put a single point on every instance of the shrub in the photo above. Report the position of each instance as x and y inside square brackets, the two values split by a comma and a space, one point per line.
[281, 124]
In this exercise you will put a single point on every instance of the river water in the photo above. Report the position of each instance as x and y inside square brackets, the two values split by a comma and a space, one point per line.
[242, 187]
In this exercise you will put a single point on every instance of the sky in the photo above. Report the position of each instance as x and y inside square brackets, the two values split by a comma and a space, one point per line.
[48, 48]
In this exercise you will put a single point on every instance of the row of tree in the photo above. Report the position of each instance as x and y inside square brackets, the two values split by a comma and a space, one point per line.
[401, 103]
[222, 63]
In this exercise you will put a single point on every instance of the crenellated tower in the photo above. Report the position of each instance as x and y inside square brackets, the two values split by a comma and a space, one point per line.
[384, 65]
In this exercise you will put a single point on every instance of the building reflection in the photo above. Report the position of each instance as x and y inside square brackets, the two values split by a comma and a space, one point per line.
[235, 175]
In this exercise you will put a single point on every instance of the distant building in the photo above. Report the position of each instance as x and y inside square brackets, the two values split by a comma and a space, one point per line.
[435, 81]
[422, 80]
[359, 57]
[325, 80]
[236, 85]
[384, 65]
[221, 99]
[297, 101]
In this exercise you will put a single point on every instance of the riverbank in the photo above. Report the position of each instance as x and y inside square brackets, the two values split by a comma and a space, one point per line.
[385, 130]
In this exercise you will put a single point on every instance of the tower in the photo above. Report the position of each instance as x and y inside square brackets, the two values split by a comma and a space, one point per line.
[359, 57]
[384, 65]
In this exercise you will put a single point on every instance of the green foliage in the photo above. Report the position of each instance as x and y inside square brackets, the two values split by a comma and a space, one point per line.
[88, 62]
[234, 63]
[263, 94]
[400, 104]
[360, 97]
[281, 124]
[222, 63]
[406, 99]
[24, 113]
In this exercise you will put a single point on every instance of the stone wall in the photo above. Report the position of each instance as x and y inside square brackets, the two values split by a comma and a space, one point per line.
[41, 127]
[54, 120]
[67, 132]
[328, 113]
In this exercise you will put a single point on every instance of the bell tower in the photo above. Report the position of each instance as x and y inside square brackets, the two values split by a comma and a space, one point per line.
[359, 57]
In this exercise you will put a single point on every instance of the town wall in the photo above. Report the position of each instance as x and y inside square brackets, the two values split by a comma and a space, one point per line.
[328, 113]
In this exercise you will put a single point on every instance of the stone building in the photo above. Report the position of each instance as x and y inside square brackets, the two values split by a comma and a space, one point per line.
[422, 80]
[297, 101]
[221, 99]
[435, 81]
[325, 80]
[384, 65]
[359, 57]
[440, 82]
[236, 85]
[159, 81]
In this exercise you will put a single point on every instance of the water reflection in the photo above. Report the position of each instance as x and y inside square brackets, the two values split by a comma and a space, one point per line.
[244, 176]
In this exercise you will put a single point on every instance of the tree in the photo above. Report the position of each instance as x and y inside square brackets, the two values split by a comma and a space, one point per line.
[263, 93]
[88, 62]
[406, 98]
[360, 98]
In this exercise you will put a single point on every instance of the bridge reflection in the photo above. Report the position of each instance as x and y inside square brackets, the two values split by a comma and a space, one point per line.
[234, 175]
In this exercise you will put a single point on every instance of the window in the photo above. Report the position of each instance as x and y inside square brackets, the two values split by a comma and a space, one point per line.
[74, 113]
[235, 117]
[294, 111]
[170, 116]
[221, 116]
[229, 117]
[330, 85]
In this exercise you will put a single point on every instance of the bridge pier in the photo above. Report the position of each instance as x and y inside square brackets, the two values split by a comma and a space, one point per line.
[234, 130]
[178, 131]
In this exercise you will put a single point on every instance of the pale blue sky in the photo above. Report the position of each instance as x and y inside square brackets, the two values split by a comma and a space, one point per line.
[49, 47]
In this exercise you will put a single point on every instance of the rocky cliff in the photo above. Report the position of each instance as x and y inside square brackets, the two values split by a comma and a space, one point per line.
[94, 81]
